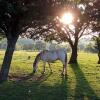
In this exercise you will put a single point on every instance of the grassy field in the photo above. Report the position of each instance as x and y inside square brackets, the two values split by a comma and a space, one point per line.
[82, 82]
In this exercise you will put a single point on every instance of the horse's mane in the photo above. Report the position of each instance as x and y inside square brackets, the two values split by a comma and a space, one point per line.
[38, 56]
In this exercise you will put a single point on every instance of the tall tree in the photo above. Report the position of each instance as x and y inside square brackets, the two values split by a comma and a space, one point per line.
[84, 17]
[18, 15]
[86, 13]
[96, 39]
[9, 24]
[98, 46]
[96, 25]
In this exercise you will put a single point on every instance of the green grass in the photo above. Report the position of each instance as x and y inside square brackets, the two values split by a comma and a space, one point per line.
[82, 82]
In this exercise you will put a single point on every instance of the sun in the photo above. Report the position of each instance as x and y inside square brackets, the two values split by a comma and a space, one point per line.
[67, 18]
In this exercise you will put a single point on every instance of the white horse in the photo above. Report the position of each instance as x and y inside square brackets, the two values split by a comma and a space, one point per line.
[51, 56]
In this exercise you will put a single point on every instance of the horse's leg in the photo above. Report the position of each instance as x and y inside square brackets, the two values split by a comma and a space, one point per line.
[65, 68]
[64, 71]
[49, 67]
[44, 63]
[65, 65]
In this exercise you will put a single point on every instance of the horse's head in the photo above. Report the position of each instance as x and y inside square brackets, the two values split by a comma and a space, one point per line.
[35, 64]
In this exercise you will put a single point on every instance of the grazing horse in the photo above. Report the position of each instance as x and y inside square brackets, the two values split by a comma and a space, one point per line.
[51, 56]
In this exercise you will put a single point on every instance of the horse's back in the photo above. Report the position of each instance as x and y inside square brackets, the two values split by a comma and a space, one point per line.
[51, 56]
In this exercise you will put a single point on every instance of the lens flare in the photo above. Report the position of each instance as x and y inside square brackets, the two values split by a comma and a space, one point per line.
[67, 18]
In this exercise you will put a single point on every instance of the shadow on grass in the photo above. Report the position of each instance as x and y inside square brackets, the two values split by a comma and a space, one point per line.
[83, 90]
[46, 87]
[20, 78]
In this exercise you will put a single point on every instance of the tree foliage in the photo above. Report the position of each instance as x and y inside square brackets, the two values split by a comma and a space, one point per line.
[18, 15]
[96, 39]
[86, 14]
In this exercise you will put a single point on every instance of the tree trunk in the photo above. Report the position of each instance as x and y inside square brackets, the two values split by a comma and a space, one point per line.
[7, 59]
[73, 58]
[98, 44]
[99, 58]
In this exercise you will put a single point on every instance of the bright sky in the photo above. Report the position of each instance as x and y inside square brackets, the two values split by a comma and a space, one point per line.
[67, 18]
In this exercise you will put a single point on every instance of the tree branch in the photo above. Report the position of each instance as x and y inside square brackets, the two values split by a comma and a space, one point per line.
[82, 32]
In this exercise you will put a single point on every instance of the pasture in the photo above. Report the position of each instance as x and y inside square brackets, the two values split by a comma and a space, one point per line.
[82, 82]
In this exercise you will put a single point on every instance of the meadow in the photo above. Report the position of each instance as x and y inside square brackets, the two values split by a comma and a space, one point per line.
[81, 83]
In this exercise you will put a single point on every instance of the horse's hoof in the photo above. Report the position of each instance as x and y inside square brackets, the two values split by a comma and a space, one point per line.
[33, 71]
[51, 72]
[42, 72]
[62, 74]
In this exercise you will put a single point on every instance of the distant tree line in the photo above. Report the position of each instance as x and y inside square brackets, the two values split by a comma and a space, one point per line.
[38, 45]
[30, 45]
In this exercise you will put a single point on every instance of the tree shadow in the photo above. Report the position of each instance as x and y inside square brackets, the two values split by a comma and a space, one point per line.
[40, 89]
[42, 77]
[21, 78]
[83, 89]
[57, 92]
[65, 87]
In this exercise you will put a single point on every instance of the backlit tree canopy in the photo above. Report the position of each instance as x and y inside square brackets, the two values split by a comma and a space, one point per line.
[41, 20]
[86, 15]
[16, 16]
